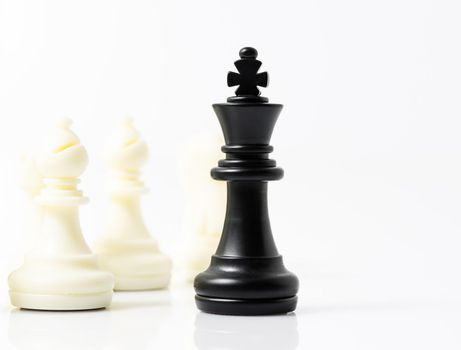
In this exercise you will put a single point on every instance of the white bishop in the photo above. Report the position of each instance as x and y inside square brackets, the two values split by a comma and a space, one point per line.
[60, 272]
[126, 248]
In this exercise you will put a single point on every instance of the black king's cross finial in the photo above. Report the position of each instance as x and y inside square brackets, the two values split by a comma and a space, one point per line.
[248, 79]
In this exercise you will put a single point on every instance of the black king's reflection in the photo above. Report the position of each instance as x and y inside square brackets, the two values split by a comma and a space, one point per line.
[213, 332]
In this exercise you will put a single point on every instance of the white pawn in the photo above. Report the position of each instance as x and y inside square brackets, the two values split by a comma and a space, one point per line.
[60, 272]
[205, 201]
[126, 248]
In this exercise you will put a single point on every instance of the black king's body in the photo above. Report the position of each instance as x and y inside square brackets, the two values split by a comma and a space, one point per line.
[246, 275]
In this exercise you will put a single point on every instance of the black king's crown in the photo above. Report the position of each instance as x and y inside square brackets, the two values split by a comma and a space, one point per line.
[248, 79]
[246, 275]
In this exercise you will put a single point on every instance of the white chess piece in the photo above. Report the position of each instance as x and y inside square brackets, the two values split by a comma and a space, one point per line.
[126, 248]
[60, 272]
[205, 201]
[31, 181]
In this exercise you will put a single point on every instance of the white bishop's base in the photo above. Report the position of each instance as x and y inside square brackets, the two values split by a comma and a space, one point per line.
[64, 283]
[137, 264]
[53, 302]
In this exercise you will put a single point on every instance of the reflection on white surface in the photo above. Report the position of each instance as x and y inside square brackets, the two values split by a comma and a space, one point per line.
[30, 330]
[130, 323]
[330, 316]
[240, 332]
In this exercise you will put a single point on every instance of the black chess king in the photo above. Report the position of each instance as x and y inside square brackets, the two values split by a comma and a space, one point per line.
[246, 275]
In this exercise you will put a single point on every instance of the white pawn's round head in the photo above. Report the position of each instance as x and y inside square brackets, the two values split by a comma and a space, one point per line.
[125, 150]
[62, 155]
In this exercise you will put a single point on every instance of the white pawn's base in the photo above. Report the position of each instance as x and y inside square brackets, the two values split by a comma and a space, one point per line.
[57, 302]
[137, 264]
[199, 257]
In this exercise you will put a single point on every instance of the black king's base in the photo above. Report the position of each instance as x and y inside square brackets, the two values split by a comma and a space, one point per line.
[246, 275]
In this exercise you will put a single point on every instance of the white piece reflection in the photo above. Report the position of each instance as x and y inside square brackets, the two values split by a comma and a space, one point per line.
[131, 322]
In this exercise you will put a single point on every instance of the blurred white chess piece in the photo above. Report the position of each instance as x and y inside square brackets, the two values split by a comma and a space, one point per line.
[205, 201]
[31, 181]
[60, 272]
[126, 248]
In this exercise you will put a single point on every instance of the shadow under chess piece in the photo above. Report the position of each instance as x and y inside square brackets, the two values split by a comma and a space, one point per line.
[126, 248]
[246, 275]
[60, 272]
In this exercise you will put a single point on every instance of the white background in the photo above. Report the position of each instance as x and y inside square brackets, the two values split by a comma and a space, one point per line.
[368, 214]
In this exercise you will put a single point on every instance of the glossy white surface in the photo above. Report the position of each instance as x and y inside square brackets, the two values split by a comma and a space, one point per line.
[341, 318]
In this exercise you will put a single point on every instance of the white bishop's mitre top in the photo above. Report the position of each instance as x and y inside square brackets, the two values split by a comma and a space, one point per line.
[126, 153]
[60, 161]
[62, 155]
